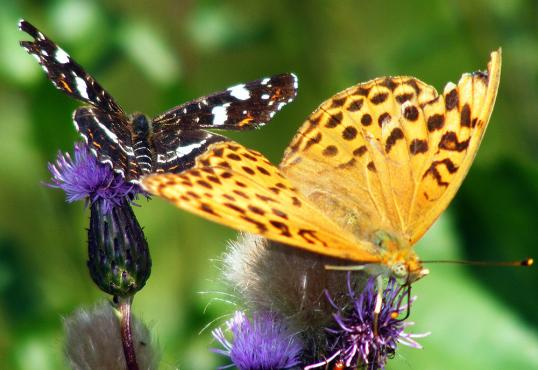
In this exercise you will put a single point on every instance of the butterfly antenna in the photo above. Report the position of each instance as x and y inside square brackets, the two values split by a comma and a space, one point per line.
[523, 263]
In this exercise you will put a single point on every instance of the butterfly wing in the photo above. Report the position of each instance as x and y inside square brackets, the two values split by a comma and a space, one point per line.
[103, 125]
[66, 74]
[177, 152]
[240, 188]
[456, 144]
[391, 153]
[241, 107]
[109, 138]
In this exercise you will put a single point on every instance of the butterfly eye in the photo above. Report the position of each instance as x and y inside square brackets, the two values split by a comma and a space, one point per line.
[379, 238]
[384, 240]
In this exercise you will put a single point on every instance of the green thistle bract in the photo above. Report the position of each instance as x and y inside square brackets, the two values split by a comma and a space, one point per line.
[118, 254]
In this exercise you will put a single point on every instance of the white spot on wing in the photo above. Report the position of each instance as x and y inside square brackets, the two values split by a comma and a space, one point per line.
[94, 152]
[220, 114]
[82, 88]
[109, 162]
[265, 81]
[239, 92]
[61, 56]
[406, 104]
[449, 87]
[184, 150]
[266, 96]
[112, 136]
[295, 81]
[127, 150]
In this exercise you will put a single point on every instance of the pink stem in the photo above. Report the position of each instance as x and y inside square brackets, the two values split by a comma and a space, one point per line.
[126, 333]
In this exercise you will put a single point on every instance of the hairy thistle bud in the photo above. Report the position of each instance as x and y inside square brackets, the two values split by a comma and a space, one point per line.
[118, 254]
[93, 340]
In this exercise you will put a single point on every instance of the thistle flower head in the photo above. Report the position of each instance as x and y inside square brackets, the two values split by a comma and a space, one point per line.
[361, 339]
[263, 343]
[86, 178]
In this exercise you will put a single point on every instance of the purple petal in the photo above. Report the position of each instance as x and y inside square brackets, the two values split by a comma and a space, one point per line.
[264, 342]
[85, 178]
[355, 338]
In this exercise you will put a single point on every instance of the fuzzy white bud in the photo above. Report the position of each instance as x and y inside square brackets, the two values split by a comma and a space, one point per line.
[270, 276]
[93, 341]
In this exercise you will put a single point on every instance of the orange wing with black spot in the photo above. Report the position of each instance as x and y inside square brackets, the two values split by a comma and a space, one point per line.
[390, 154]
[240, 188]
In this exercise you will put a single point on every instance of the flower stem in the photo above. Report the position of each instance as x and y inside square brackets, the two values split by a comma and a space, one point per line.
[124, 305]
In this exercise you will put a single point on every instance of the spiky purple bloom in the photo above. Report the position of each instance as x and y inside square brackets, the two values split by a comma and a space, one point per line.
[85, 178]
[356, 341]
[263, 343]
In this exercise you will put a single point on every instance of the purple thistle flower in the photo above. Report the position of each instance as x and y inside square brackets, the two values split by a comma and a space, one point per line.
[263, 343]
[355, 341]
[86, 178]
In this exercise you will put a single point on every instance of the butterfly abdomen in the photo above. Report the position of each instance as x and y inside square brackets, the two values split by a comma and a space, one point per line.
[141, 143]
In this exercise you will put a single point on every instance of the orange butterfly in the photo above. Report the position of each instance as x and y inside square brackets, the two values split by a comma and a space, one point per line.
[364, 178]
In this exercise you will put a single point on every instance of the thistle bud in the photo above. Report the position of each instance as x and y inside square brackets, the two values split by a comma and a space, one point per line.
[118, 254]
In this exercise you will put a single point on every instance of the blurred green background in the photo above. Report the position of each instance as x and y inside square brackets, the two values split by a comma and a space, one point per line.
[153, 55]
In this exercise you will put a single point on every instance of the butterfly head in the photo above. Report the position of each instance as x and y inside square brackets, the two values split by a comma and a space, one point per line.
[141, 125]
[399, 257]
[414, 270]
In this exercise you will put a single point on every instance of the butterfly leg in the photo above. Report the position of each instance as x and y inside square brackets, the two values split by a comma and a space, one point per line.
[378, 302]
[346, 268]
[371, 268]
